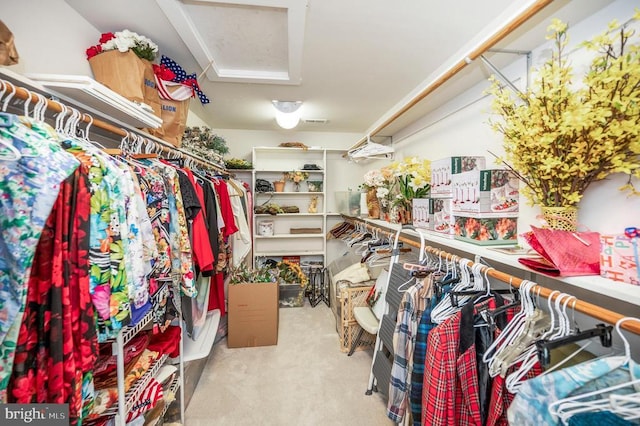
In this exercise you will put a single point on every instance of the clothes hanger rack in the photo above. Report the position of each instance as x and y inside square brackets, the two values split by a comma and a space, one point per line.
[582, 306]
[58, 107]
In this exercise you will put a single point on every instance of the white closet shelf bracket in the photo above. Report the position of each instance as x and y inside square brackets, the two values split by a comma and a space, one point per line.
[503, 77]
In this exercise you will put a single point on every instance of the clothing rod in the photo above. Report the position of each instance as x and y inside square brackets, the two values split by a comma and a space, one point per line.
[587, 308]
[487, 44]
[56, 106]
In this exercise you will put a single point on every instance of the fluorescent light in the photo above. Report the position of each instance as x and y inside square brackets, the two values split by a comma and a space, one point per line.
[287, 113]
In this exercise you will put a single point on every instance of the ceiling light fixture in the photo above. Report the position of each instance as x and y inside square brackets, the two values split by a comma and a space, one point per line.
[287, 113]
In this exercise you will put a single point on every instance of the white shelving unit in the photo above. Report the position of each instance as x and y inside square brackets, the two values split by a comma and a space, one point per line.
[270, 163]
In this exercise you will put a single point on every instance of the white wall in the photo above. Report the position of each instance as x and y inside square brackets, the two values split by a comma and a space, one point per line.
[460, 128]
[50, 36]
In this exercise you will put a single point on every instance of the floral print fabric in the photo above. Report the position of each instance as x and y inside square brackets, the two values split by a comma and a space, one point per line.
[28, 190]
[57, 346]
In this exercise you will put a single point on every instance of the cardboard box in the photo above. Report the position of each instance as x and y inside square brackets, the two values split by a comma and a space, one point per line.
[422, 213]
[443, 169]
[618, 259]
[485, 191]
[487, 229]
[253, 315]
[443, 220]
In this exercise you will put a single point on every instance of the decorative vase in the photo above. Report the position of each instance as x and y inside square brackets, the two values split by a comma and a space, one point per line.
[565, 218]
[373, 206]
[278, 186]
[405, 213]
[296, 186]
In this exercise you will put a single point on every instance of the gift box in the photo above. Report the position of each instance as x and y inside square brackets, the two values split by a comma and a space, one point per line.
[485, 191]
[618, 259]
[486, 229]
[422, 213]
[443, 169]
[442, 216]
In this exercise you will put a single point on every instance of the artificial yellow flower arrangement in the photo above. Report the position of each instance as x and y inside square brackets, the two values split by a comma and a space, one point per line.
[559, 137]
[413, 176]
[289, 272]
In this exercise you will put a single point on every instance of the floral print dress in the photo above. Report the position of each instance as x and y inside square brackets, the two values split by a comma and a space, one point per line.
[29, 187]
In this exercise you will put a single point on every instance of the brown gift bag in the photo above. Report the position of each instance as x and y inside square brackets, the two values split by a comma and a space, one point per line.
[121, 72]
[174, 120]
[151, 96]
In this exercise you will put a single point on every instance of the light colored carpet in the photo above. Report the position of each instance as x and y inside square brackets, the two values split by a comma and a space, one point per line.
[304, 380]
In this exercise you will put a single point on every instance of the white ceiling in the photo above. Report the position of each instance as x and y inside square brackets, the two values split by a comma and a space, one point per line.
[350, 62]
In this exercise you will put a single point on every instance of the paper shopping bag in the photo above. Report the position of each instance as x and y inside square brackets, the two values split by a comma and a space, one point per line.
[121, 72]
[564, 253]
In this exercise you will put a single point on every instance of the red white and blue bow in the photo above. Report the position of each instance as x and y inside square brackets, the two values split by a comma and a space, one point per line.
[170, 71]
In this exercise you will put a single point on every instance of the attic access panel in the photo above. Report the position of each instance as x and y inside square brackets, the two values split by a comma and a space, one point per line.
[246, 41]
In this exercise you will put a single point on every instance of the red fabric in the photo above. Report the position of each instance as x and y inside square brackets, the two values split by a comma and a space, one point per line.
[57, 342]
[167, 342]
[564, 253]
[202, 253]
[216, 295]
[501, 398]
[147, 399]
[226, 210]
[439, 383]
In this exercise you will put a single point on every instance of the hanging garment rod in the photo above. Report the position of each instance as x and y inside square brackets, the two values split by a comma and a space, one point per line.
[587, 308]
[483, 47]
[57, 107]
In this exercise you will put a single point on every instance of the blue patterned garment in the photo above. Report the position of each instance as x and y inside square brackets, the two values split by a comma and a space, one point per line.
[599, 418]
[419, 354]
[530, 407]
[28, 189]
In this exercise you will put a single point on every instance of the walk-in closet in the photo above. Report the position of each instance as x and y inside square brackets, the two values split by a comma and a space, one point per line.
[316, 212]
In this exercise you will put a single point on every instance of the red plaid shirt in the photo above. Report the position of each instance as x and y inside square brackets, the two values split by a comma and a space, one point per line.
[438, 386]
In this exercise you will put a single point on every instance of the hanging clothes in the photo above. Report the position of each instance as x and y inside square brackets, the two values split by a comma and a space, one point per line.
[241, 240]
[413, 303]
[29, 187]
[57, 346]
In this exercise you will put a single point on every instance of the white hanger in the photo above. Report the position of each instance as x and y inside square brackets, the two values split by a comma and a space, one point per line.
[529, 357]
[513, 328]
[5, 104]
[444, 309]
[628, 407]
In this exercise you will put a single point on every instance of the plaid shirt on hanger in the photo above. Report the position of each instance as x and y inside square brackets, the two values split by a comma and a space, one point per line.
[410, 310]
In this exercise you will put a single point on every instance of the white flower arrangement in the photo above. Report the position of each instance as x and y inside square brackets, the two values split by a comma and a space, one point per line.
[123, 41]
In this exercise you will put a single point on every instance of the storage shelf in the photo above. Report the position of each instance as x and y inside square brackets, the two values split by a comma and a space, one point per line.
[289, 193]
[288, 214]
[281, 148]
[173, 388]
[278, 170]
[138, 387]
[286, 236]
[289, 252]
[594, 283]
